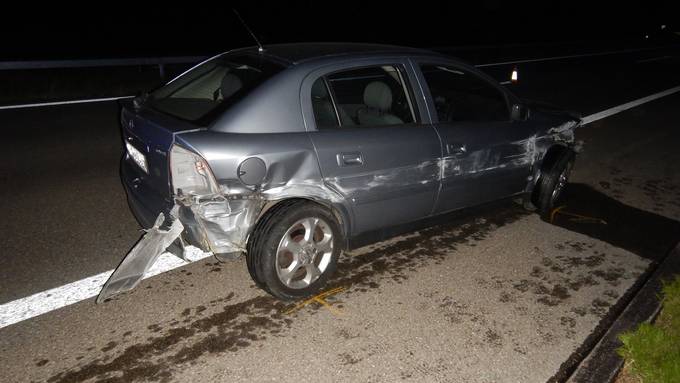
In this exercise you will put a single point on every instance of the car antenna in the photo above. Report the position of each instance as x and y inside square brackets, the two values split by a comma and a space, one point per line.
[260, 48]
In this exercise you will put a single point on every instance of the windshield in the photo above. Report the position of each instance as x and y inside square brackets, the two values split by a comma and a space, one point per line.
[205, 91]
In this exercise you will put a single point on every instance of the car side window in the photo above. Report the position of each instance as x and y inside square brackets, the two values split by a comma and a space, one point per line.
[371, 96]
[325, 113]
[459, 95]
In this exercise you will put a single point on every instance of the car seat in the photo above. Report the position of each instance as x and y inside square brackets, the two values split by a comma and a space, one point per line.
[378, 101]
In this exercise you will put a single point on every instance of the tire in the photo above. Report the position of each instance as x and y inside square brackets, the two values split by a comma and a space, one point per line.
[553, 182]
[294, 249]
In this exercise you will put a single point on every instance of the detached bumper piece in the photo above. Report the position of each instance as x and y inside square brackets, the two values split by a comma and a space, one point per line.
[139, 260]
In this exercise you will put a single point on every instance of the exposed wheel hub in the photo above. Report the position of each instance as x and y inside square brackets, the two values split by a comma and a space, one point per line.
[307, 254]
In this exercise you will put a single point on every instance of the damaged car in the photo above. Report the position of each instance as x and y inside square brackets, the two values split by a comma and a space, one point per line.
[287, 154]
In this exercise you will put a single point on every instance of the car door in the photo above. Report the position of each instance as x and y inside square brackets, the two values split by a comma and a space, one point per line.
[371, 145]
[485, 155]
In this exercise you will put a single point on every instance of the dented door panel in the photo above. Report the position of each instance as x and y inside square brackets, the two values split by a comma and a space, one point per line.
[495, 164]
[398, 180]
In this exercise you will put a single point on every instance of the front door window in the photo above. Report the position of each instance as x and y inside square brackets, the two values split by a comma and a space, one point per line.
[463, 96]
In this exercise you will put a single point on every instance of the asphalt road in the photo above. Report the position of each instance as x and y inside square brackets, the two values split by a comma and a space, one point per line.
[495, 294]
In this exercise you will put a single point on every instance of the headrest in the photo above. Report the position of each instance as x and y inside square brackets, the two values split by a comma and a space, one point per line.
[378, 95]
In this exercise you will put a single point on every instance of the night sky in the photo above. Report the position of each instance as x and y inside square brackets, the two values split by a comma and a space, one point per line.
[119, 29]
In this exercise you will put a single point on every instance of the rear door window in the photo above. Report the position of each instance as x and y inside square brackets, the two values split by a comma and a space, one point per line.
[459, 95]
[371, 96]
[325, 113]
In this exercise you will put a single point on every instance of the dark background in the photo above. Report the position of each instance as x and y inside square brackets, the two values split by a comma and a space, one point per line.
[119, 29]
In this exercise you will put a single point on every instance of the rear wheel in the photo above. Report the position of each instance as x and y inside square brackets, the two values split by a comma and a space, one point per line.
[553, 182]
[294, 249]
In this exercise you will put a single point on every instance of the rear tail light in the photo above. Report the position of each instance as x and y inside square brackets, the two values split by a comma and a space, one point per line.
[190, 173]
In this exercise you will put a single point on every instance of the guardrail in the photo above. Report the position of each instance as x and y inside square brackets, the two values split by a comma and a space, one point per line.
[161, 62]
[93, 63]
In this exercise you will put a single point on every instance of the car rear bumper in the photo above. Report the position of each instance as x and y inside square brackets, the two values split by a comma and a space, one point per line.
[218, 225]
[145, 203]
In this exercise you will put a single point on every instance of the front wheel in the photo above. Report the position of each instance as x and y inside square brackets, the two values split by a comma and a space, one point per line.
[553, 182]
[295, 249]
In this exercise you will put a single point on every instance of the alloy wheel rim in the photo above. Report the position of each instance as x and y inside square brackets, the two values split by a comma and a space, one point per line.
[304, 252]
[561, 182]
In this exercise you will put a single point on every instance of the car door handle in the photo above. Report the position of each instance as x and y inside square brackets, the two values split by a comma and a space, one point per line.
[350, 159]
[456, 149]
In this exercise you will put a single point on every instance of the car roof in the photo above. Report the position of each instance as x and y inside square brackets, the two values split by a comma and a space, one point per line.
[295, 53]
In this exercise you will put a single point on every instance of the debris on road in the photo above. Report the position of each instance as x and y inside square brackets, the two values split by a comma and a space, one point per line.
[142, 256]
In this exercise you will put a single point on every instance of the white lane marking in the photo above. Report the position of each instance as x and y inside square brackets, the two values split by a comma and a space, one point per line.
[49, 300]
[68, 294]
[620, 108]
[39, 104]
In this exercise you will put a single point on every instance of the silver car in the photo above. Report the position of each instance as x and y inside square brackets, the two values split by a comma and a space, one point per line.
[288, 154]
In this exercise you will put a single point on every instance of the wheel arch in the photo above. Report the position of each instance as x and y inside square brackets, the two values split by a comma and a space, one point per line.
[337, 210]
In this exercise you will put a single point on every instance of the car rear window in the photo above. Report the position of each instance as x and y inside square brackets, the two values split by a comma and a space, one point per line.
[207, 90]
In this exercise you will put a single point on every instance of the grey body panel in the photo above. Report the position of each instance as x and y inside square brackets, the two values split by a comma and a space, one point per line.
[371, 177]
[292, 169]
[492, 166]
[393, 177]
[396, 179]
[481, 161]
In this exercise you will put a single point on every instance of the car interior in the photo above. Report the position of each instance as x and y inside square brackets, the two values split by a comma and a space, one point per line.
[218, 83]
[374, 96]
[462, 96]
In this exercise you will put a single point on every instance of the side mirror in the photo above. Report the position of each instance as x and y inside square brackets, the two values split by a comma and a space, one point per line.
[519, 112]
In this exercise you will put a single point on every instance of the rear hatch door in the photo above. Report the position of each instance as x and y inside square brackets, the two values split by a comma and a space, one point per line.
[153, 134]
